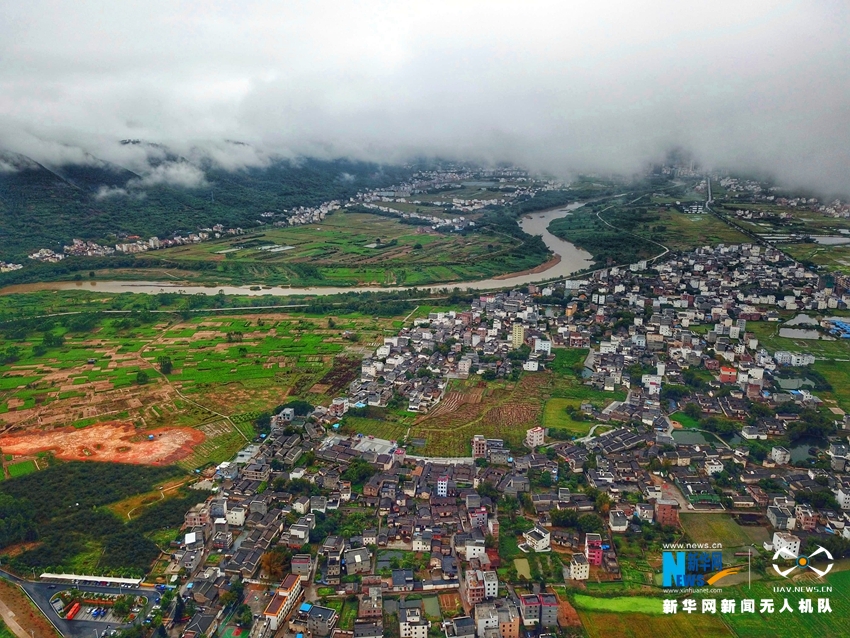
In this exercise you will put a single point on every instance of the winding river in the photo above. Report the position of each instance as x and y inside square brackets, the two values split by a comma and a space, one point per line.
[570, 260]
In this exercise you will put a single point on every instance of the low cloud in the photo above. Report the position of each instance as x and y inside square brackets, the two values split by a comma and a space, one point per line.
[563, 87]
[173, 174]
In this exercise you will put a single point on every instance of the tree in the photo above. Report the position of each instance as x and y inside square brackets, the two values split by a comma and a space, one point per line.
[244, 617]
[165, 365]
[276, 563]
[693, 410]
[141, 377]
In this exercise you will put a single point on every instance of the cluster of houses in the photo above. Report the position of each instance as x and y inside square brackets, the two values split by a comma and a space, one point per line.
[418, 363]
[131, 244]
[645, 330]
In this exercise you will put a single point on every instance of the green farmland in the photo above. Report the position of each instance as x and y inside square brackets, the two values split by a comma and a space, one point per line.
[224, 371]
[351, 248]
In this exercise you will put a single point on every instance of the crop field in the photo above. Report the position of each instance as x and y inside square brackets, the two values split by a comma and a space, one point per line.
[450, 604]
[432, 608]
[834, 257]
[497, 409]
[84, 398]
[600, 624]
[689, 231]
[721, 528]
[349, 248]
[21, 468]
[795, 624]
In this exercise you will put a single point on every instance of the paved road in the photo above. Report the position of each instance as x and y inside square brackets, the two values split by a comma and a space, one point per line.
[41, 592]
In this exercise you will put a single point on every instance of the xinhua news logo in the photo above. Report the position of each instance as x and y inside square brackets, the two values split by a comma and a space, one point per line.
[801, 561]
[694, 569]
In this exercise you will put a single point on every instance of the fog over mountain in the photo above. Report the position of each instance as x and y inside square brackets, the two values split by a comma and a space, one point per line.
[560, 86]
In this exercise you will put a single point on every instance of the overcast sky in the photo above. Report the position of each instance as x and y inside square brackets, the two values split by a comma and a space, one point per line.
[562, 86]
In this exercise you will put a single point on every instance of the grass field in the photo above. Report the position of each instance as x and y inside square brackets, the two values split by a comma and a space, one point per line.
[22, 468]
[523, 569]
[555, 416]
[796, 624]
[625, 604]
[721, 528]
[349, 248]
[630, 625]
[768, 336]
[685, 420]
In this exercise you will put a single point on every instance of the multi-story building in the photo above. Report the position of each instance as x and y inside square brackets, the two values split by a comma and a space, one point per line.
[443, 486]
[529, 607]
[667, 512]
[372, 604]
[787, 543]
[548, 610]
[284, 601]
[780, 517]
[412, 624]
[197, 516]
[509, 620]
[780, 455]
[486, 617]
[806, 519]
[534, 437]
[537, 538]
[517, 335]
[593, 549]
[474, 586]
[539, 609]
[579, 567]
[479, 447]
[491, 584]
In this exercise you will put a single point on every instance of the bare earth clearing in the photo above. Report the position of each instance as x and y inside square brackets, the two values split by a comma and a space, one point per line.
[113, 442]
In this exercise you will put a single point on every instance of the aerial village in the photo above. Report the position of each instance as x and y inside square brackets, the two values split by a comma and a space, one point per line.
[317, 522]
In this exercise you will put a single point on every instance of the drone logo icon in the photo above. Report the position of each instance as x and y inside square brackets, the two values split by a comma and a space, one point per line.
[801, 561]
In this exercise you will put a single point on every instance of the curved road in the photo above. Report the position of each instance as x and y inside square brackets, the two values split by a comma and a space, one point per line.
[40, 593]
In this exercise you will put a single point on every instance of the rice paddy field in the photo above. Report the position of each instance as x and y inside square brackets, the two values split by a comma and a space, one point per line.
[353, 248]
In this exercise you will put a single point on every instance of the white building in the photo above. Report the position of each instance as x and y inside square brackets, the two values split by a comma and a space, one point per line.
[491, 584]
[617, 521]
[787, 542]
[537, 538]
[713, 466]
[542, 345]
[411, 624]
[443, 486]
[534, 437]
[236, 516]
[842, 495]
[780, 455]
[579, 567]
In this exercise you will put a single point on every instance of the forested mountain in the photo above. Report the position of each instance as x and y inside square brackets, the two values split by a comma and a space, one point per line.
[47, 206]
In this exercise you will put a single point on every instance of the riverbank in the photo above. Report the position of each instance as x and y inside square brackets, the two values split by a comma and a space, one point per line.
[568, 259]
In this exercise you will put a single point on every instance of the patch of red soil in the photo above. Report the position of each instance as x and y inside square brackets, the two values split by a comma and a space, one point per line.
[114, 442]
